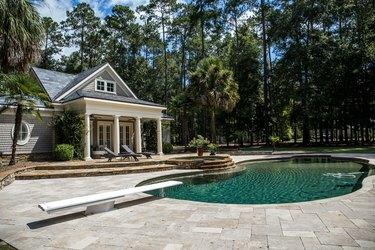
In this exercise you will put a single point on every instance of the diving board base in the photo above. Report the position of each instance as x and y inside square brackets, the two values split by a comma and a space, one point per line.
[100, 208]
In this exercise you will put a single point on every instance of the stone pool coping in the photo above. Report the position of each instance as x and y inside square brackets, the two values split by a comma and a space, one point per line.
[148, 223]
[366, 182]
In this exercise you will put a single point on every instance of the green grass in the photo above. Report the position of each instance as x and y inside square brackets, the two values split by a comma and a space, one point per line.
[322, 149]
[5, 246]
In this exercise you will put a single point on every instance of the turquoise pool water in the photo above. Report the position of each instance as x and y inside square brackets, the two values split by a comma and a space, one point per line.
[269, 182]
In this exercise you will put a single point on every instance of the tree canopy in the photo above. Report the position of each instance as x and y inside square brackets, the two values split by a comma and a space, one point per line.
[304, 70]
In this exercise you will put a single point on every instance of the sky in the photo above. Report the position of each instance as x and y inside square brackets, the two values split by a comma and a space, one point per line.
[57, 8]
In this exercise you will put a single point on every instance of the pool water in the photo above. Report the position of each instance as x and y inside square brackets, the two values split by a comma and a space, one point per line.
[267, 182]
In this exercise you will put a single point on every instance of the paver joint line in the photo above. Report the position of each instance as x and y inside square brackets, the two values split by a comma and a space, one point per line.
[347, 221]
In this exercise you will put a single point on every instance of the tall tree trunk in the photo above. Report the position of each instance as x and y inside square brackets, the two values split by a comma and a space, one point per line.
[316, 134]
[165, 60]
[213, 126]
[16, 131]
[185, 127]
[183, 61]
[82, 40]
[265, 74]
[346, 133]
[5, 63]
[251, 138]
[202, 38]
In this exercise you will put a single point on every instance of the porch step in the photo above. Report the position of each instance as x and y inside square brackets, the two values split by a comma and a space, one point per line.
[113, 164]
[68, 173]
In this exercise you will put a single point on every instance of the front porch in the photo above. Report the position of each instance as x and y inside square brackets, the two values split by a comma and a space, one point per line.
[113, 123]
[114, 131]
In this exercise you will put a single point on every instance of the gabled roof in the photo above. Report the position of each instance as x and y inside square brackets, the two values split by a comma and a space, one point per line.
[53, 81]
[80, 77]
[62, 87]
[57, 83]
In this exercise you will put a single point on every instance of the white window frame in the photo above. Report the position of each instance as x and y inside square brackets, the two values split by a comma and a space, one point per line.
[131, 133]
[26, 140]
[104, 124]
[105, 86]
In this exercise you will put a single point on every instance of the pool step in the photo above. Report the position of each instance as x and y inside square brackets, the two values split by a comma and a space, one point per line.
[218, 164]
[69, 173]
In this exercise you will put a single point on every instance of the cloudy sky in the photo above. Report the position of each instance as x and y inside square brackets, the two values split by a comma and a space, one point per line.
[57, 8]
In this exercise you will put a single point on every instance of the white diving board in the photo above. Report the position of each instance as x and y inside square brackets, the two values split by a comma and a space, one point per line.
[101, 202]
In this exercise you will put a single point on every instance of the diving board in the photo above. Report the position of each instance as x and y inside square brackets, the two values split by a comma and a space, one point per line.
[103, 201]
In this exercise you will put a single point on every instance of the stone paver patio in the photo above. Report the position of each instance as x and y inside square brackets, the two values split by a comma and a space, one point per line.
[144, 222]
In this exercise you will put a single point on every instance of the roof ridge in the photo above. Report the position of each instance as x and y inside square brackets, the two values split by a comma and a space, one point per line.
[55, 71]
[77, 79]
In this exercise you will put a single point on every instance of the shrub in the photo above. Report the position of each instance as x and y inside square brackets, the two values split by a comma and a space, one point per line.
[213, 147]
[199, 142]
[167, 148]
[69, 129]
[149, 133]
[64, 152]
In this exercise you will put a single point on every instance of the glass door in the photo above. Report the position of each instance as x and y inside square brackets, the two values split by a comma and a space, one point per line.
[105, 135]
[126, 134]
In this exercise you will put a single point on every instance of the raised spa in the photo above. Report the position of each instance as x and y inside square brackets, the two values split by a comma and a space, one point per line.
[284, 181]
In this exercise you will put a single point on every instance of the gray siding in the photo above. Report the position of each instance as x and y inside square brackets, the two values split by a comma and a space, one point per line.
[41, 139]
[106, 76]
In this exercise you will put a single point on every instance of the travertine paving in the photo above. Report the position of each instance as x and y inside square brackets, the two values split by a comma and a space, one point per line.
[144, 222]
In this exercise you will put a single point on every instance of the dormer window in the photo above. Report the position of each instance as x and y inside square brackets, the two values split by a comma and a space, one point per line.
[100, 85]
[105, 86]
[110, 87]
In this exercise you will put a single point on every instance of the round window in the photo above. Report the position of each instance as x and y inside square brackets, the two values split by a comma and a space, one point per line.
[24, 134]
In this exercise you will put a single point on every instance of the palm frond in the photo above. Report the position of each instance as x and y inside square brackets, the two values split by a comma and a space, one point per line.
[22, 89]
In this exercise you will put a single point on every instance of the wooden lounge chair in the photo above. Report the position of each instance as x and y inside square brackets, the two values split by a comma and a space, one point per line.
[128, 150]
[110, 155]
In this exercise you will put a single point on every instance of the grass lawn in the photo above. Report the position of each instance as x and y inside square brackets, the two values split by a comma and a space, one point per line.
[317, 149]
[5, 246]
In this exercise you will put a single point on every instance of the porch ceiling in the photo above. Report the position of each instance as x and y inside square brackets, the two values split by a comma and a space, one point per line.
[110, 117]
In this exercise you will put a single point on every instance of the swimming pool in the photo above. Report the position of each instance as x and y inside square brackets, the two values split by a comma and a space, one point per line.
[267, 182]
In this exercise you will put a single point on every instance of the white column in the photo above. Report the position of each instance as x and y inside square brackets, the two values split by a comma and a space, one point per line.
[159, 136]
[138, 140]
[87, 150]
[116, 134]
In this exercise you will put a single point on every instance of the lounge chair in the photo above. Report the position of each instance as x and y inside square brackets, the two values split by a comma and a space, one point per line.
[110, 155]
[128, 150]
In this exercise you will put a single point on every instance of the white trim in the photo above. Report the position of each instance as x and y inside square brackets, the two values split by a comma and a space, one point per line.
[26, 140]
[124, 103]
[123, 83]
[94, 73]
[40, 108]
[105, 86]
[44, 111]
[80, 83]
[104, 124]
[131, 133]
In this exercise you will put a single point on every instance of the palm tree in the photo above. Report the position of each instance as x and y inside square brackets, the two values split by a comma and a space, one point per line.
[24, 93]
[21, 33]
[213, 87]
